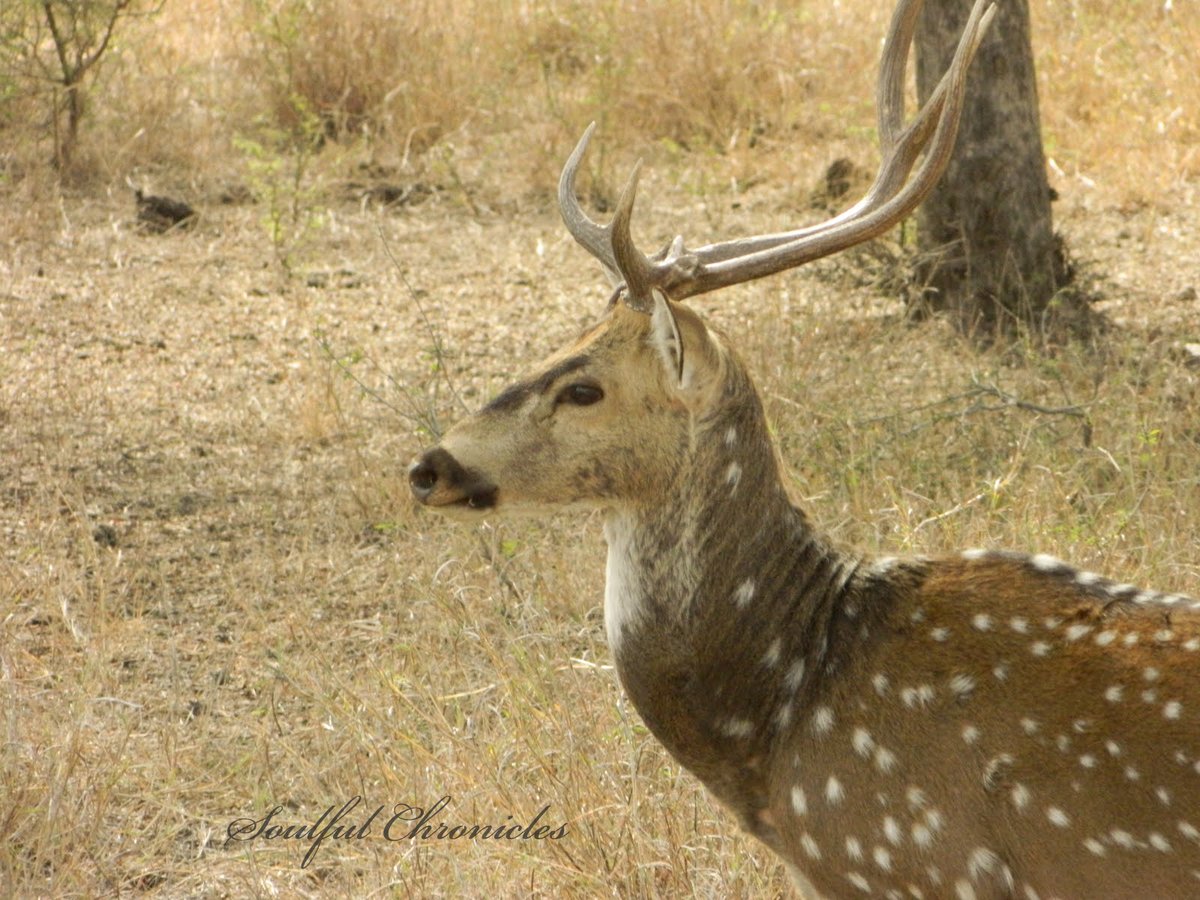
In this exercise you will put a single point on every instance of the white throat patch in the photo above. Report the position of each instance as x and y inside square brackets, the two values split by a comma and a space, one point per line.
[622, 590]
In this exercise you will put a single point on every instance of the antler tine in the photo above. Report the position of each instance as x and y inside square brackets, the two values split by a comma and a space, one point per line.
[890, 89]
[611, 244]
[591, 235]
[631, 262]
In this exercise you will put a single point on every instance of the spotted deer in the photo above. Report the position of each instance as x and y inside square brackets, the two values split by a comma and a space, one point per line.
[983, 725]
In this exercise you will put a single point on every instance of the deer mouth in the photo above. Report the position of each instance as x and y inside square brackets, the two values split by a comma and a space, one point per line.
[477, 501]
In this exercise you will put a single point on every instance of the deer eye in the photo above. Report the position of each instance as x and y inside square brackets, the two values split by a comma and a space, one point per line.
[580, 394]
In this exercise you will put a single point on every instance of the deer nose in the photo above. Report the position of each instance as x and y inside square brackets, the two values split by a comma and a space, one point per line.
[423, 475]
[438, 479]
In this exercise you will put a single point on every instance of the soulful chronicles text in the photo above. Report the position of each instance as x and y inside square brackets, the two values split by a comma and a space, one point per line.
[404, 822]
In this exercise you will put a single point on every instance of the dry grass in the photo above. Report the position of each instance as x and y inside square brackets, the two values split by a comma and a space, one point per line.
[497, 88]
[215, 596]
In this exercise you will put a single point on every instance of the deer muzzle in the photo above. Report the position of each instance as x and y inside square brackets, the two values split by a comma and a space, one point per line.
[438, 480]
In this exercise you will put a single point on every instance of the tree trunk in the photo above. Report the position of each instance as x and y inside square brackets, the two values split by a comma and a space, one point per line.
[991, 258]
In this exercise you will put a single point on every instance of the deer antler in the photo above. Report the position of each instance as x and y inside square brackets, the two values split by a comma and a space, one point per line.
[679, 272]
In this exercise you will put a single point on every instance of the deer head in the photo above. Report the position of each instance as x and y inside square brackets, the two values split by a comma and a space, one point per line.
[562, 436]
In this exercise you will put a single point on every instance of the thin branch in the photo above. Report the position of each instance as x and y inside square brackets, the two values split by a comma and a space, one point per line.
[434, 334]
[992, 390]
[998, 485]
[118, 8]
[418, 417]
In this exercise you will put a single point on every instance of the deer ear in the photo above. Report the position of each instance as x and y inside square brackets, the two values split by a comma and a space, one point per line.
[664, 331]
[689, 353]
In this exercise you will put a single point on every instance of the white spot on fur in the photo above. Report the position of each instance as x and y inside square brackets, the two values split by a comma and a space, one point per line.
[834, 792]
[1019, 624]
[883, 858]
[799, 801]
[963, 890]
[1113, 748]
[1163, 795]
[1171, 709]
[1087, 578]
[863, 744]
[1044, 562]
[1057, 817]
[1029, 726]
[744, 594]
[1094, 847]
[783, 715]
[1075, 632]
[1113, 692]
[859, 882]
[962, 686]
[854, 848]
[885, 760]
[892, 831]
[1019, 796]
[982, 861]
[880, 682]
[940, 634]
[1159, 843]
[822, 720]
[981, 622]
[920, 696]
[1122, 838]
[735, 727]
[1104, 638]
[810, 846]
[794, 675]
[730, 436]
[770, 659]
[970, 734]
[884, 565]
[732, 476]
[1087, 761]
[975, 553]
[1039, 648]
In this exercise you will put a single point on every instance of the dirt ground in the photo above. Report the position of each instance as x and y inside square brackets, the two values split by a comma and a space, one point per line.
[215, 596]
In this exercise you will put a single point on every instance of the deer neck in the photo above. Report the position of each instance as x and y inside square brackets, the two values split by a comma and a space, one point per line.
[722, 602]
